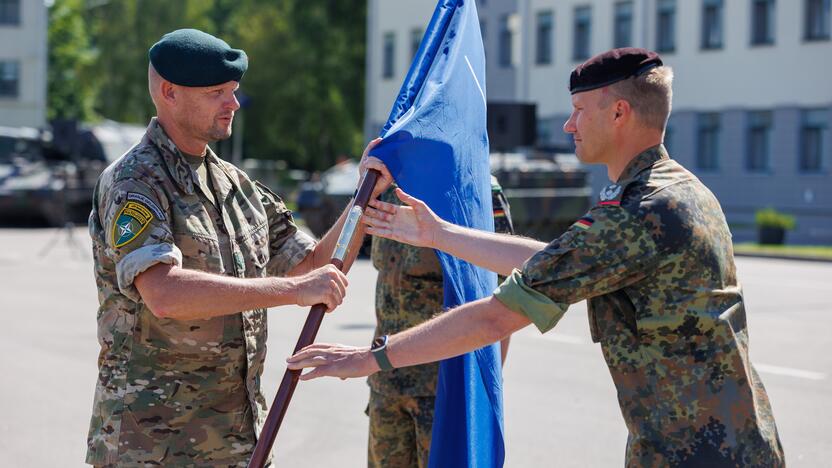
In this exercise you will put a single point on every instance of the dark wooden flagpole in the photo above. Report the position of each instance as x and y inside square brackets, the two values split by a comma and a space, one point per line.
[310, 328]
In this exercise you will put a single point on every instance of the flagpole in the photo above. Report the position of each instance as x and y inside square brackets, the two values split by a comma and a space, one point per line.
[313, 323]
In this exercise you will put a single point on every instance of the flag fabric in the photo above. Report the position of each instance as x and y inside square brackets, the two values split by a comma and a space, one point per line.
[436, 147]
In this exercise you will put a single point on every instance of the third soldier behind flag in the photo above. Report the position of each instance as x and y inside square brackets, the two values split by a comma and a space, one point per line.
[409, 292]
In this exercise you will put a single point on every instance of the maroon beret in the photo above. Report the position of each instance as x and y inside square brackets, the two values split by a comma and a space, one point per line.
[610, 67]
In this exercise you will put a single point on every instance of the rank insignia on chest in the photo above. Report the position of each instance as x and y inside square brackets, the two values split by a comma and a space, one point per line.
[130, 222]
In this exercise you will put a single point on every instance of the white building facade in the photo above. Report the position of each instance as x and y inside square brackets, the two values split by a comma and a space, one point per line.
[752, 106]
[23, 62]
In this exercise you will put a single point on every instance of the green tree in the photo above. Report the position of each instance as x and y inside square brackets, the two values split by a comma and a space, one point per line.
[305, 79]
[70, 92]
[305, 82]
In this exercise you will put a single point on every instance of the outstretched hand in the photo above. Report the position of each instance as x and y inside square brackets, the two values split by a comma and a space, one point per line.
[412, 223]
[334, 360]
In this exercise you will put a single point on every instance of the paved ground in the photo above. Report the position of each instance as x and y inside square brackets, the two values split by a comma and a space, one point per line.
[560, 402]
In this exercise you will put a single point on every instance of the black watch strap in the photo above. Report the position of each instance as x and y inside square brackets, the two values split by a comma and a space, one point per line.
[379, 351]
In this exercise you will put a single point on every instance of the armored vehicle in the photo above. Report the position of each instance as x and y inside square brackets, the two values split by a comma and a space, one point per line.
[49, 175]
[547, 191]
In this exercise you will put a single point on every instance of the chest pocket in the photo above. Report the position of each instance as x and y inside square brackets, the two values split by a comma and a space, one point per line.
[254, 244]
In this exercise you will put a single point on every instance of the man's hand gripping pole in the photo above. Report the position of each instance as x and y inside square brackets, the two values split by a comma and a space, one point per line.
[313, 323]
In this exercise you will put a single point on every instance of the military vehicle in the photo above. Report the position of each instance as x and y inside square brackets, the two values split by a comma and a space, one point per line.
[547, 188]
[321, 200]
[49, 175]
[547, 191]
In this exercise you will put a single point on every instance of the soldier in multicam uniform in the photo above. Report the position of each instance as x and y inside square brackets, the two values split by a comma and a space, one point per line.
[653, 258]
[188, 254]
[409, 292]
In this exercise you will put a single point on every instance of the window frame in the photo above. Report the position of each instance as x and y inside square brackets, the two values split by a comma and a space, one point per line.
[821, 129]
[548, 46]
[388, 55]
[15, 10]
[622, 10]
[811, 19]
[581, 50]
[708, 124]
[14, 94]
[668, 8]
[712, 31]
[758, 121]
[770, 24]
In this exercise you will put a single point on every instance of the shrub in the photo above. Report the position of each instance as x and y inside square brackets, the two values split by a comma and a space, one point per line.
[770, 217]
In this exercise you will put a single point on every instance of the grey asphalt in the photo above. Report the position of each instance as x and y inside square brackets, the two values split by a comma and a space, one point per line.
[560, 404]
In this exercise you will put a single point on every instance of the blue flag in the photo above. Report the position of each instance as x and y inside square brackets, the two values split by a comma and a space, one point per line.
[436, 147]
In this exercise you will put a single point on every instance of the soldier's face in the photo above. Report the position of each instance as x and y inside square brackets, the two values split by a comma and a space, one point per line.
[589, 125]
[208, 113]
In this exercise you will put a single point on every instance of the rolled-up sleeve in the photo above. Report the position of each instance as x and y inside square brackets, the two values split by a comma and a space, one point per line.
[288, 246]
[606, 250]
[138, 232]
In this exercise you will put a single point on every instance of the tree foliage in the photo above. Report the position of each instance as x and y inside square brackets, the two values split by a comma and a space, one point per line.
[70, 59]
[304, 86]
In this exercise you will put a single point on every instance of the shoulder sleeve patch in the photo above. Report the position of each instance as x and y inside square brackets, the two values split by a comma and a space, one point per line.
[147, 202]
[133, 218]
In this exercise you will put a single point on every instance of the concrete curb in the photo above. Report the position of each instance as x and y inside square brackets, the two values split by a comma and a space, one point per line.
[783, 257]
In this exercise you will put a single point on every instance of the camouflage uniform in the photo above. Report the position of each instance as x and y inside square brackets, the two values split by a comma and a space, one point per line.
[180, 392]
[409, 292]
[655, 260]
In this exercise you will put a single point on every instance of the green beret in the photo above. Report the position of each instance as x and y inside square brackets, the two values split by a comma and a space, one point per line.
[611, 67]
[189, 57]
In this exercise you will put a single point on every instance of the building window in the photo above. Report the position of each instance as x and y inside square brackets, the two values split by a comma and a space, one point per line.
[666, 25]
[9, 12]
[623, 24]
[707, 149]
[712, 24]
[812, 135]
[582, 33]
[415, 41]
[388, 61]
[543, 48]
[762, 22]
[9, 79]
[759, 141]
[505, 45]
[817, 20]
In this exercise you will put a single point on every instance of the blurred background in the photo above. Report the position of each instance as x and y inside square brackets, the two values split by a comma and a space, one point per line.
[752, 105]
[752, 115]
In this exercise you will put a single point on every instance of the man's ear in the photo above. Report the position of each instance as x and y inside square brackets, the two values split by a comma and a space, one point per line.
[622, 109]
[169, 92]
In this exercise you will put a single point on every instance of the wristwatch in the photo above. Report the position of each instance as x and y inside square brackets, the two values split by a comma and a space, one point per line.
[379, 351]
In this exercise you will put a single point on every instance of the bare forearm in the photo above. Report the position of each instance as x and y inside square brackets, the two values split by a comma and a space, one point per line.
[456, 332]
[182, 294]
[500, 253]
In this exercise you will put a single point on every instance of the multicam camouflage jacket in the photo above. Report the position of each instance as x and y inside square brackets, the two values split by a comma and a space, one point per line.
[655, 259]
[180, 392]
[409, 292]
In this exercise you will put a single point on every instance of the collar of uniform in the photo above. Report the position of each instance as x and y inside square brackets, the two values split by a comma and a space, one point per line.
[645, 160]
[222, 180]
[178, 167]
